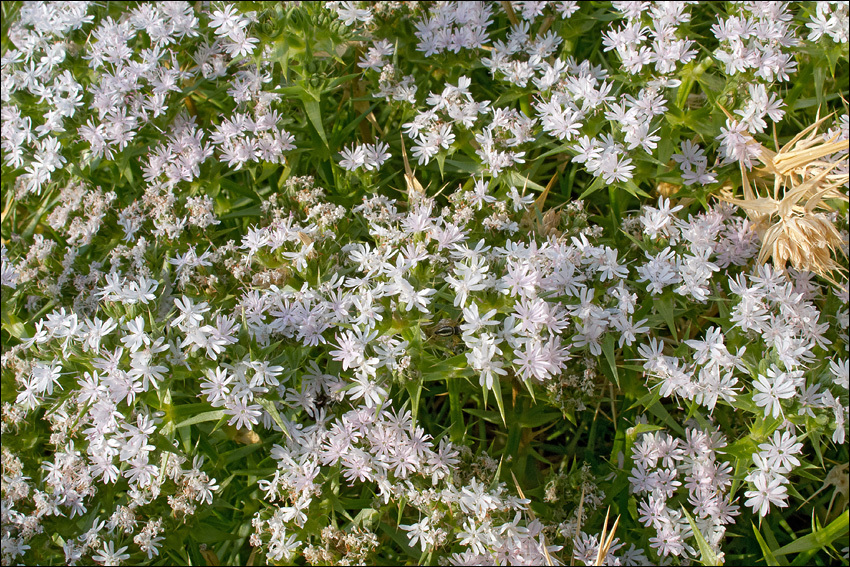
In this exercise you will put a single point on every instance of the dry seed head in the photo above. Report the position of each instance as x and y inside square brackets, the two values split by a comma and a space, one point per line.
[807, 242]
[788, 221]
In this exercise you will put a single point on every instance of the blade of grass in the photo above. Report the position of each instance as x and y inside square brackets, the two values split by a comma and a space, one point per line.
[456, 428]
[214, 415]
[771, 540]
[769, 557]
[608, 350]
[820, 538]
[707, 555]
[497, 391]
[314, 113]
[269, 406]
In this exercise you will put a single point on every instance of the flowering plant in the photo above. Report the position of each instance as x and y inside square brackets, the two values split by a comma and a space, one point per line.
[424, 282]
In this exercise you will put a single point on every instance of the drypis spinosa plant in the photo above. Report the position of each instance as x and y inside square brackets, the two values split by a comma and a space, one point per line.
[454, 283]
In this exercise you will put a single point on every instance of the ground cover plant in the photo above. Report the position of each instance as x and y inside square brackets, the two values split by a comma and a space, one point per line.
[442, 283]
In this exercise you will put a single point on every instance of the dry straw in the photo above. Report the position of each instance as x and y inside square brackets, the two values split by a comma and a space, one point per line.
[787, 201]
[605, 541]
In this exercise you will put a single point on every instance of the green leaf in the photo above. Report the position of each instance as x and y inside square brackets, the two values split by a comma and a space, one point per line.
[595, 186]
[247, 212]
[240, 453]
[497, 391]
[563, 149]
[819, 78]
[14, 326]
[204, 533]
[314, 113]
[47, 204]
[269, 406]
[467, 166]
[509, 96]
[804, 103]
[741, 449]
[769, 557]
[517, 179]
[637, 242]
[486, 415]
[281, 55]
[664, 306]
[213, 415]
[366, 517]
[819, 538]
[455, 411]
[771, 542]
[342, 136]
[630, 186]
[400, 538]
[711, 84]
[608, 350]
[536, 417]
[435, 370]
[340, 81]
[414, 388]
[707, 555]
[686, 85]
[815, 436]
[661, 413]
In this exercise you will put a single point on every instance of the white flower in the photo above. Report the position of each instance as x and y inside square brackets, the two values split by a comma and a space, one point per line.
[474, 536]
[376, 155]
[215, 386]
[350, 351]
[469, 278]
[840, 372]
[533, 361]
[350, 13]
[282, 549]
[481, 358]
[136, 336]
[190, 314]
[244, 415]
[420, 531]
[426, 147]
[371, 393]
[781, 450]
[109, 556]
[660, 220]
[352, 158]
[776, 386]
[228, 19]
[473, 321]
[767, 491]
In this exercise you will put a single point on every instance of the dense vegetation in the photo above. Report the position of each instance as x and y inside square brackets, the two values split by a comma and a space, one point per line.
[424, 283]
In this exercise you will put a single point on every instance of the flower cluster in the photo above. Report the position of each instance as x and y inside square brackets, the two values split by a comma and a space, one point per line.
[660, 460]
[454, 26]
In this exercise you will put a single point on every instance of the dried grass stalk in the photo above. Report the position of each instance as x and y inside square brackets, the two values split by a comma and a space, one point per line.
[606, 541]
